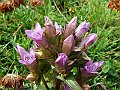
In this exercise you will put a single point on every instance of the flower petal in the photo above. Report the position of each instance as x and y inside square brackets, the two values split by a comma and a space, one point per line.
[28, 32]
[61, 60]
[68, 45]
[58, 28]
[70, 29]
[32, 52]
[23, 62]
[37, 26]
[82, 29]
[21, 51]
[89, 40]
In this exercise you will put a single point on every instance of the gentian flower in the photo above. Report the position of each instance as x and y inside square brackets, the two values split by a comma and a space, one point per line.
[89, 40]
[37, 35]
[70, 29]
[90, 68]
[26, 58]
[58, 28]
[61, 60]
[50, 29]
[68, 44]
[82, 29]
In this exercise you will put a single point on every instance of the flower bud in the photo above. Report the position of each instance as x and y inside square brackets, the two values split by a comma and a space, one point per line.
[89, 40]
[99, 64]
[90, 69]
[58, 29]
[61, 60]
[68, 44]
[50, 29]
[70, 29]
[82, 29]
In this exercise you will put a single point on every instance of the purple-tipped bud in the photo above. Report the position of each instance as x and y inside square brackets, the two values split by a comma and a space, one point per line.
[50, 29]
[89, 40]
[90, 68]
[82, 29]
[66, 87]
[58, 28]
[68, 45]
[70, 29]
[26, 58]
[37, 35]
[61, 60]
[99, 64]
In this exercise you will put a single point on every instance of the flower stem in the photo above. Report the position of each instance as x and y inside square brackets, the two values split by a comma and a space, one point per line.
[79, 78]
[57, 87]
[44, 82]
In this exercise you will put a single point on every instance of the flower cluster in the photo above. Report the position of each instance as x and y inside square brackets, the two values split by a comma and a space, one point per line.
[60, 49]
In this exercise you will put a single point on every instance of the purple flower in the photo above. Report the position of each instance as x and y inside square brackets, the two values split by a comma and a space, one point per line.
[26, 58]
[70, 29]
[35, 47]
[58, 28]
[61, 60]
[90, 69]
[89, 40]
[68, 44]
[50, 29]
[66, 87]
[99, 64]
[82, 29]
[37, 35]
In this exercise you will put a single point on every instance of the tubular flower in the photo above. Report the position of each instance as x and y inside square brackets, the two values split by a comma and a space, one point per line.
[61, 60]
[89, 40]
[82, 29]
[68, 44]
[70, 29]
[90, 68]
[37, 35]
[26, 58]
[58, 29]
[50, 29]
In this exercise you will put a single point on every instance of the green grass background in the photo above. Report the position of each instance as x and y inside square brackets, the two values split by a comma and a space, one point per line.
[104, 22]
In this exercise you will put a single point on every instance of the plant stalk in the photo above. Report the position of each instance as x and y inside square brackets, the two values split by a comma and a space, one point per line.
[57, 87]
[44, 82]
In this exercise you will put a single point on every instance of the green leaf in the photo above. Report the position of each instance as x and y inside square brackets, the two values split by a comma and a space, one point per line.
[71, 82]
